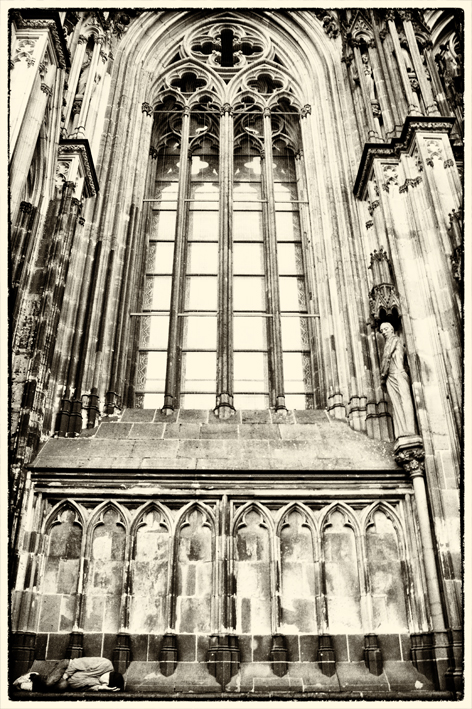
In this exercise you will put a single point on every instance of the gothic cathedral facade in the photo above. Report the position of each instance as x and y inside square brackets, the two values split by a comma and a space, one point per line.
[226, 492]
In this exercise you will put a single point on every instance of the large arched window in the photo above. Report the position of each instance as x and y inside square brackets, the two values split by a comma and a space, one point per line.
[225, 316]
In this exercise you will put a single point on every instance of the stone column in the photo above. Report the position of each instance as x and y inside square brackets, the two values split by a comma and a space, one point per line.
[80, 126]
[171, 387]
[224, 384]
[431, 106]
[413, 107]
[409, 453]
[373, 134]
[381, 88]
[273, 298]
[74, 76]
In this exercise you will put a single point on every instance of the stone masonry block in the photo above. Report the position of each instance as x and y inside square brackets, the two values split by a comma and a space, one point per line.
[193, 416]
[203, 449]
[311, 416]
[138, 415]
[212, 430]
[255, 416]
[168, 463]
[297, 431]
[182, 430]
[259, 431]
[113, 430]
[147, 430]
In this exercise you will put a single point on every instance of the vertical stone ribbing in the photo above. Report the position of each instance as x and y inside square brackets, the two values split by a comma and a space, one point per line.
[224, 384]
[273, 296]
[171, 386]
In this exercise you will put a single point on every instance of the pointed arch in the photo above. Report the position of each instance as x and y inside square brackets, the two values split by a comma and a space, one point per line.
[350, 516]
[55, 512]
[150, 569]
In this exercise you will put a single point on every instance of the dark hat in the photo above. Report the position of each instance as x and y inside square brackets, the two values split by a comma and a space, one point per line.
[116, 680]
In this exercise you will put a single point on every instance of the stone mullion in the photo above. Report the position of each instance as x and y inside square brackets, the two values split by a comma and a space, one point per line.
[390, 102]
[171, 583]
[273, 296]
[431, 106]
[172, 385]
[74, 76]
[373, 134]
[412, 101]
[380, 83]
[224, 396]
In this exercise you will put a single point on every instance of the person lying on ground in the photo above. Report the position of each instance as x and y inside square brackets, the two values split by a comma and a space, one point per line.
[82, 674]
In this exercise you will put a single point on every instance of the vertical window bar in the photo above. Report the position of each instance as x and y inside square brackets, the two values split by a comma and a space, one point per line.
[172, 373]
[224, 398]
[272, 271]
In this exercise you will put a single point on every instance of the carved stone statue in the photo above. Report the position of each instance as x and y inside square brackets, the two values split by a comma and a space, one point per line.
[397, 382]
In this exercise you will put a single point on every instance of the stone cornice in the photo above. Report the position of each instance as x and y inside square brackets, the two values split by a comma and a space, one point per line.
[413, 125]
[45, 19]
[81, 147]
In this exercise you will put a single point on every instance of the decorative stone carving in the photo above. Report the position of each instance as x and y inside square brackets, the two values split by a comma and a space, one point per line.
[61, 50]
[394, 377]
[153, 152]
[146, 108]
[435, 150]
[46, 89]
[329, 23]
[409, 453]
[391, 176]
[226, 109]
[305, 111]
[383, 298]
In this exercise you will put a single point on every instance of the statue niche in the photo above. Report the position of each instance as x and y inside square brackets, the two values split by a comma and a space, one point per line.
[395, 379]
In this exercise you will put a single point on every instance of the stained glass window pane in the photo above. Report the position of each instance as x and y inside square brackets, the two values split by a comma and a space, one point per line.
[284, 168]
[287, 226]
[247, 168]
[199, 371]
[248, 258]
[250, 372]
[246, 192]
[250, 333]
[289, 258]
[247, 226]
[163, 225]
[203, 226]
[158, 332]
[153, 401]
[199, 333]
[249, 293]
[294, 334]
[168, 164]
[292, 293]
[197, 401]
[297, 372]
[299, 401]
[202, 258]
[201, 293]
[156, 371]
[161, 293]
[205, 168]
[163, 253]
[256, 401]
[285, 192]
